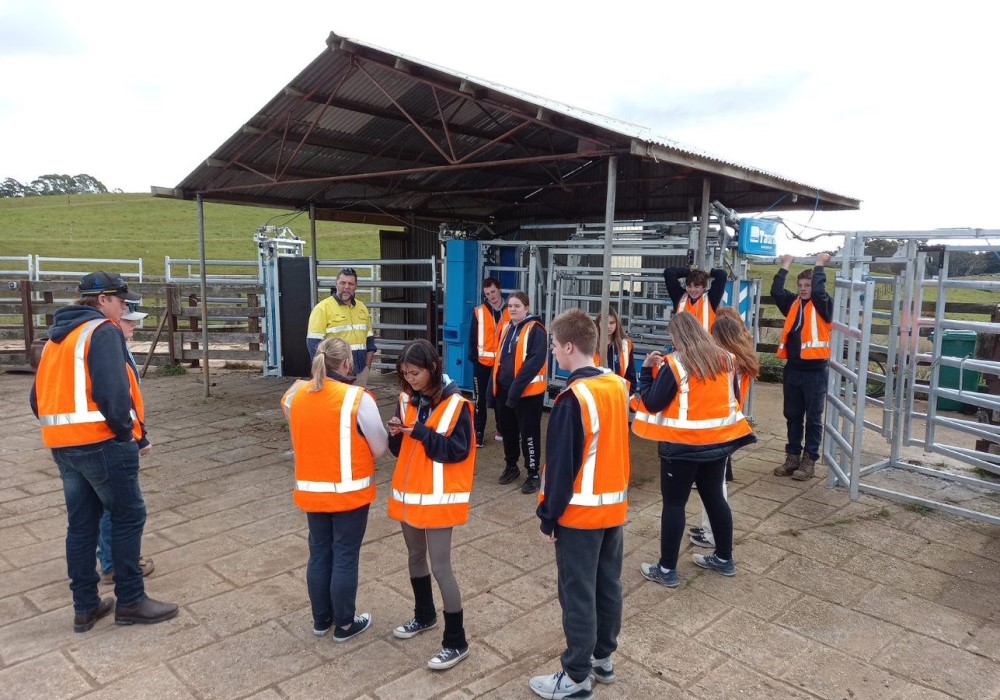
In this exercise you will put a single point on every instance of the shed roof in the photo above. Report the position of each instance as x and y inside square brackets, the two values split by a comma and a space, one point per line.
[367, 134]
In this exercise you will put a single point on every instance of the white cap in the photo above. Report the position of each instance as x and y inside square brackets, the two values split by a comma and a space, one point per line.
[134, 316]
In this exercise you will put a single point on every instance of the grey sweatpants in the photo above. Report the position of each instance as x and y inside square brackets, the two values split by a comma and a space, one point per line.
[589, 563]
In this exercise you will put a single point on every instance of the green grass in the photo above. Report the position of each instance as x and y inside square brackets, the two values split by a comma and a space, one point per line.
[141, 226]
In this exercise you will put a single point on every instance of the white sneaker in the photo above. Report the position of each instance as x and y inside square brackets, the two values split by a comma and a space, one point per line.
[602, 670]
[559, 685]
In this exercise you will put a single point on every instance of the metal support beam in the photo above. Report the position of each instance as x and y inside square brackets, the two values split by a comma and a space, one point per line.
[313, 256]
[204, 298]
[706, 205]
[609, 220]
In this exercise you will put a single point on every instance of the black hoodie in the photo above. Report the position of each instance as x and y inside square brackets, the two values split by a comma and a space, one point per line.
[536, 352]
[106, 363]
[439, 447]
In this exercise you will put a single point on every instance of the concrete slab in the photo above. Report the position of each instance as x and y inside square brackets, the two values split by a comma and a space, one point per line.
[832, 599]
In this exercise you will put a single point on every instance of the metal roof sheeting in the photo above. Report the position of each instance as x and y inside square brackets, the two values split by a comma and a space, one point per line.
[364, 133]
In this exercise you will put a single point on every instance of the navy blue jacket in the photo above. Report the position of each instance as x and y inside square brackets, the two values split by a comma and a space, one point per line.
[106, 363]
[446, 449]
[822, 302]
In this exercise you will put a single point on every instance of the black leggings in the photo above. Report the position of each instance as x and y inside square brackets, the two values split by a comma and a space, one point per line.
[522, 430]
[676, 477]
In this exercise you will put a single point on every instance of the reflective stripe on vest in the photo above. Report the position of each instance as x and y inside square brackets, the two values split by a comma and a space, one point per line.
[700, 309]
[814, 337]
[683, 403]
[538, 383]
[81, 413]
[345, 428]
[587, 497]
[437, 496]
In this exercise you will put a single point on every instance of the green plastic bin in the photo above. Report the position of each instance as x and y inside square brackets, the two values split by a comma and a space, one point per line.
[957, 344]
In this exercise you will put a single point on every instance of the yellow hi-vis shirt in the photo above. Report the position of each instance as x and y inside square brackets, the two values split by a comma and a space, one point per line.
[332, 319]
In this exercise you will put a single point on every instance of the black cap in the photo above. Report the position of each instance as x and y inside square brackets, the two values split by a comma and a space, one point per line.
[106, 283]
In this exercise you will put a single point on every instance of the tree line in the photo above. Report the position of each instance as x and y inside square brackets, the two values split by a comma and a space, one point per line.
[51, 184]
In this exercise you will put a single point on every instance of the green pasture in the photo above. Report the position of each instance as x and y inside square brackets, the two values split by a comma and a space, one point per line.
[141, 226]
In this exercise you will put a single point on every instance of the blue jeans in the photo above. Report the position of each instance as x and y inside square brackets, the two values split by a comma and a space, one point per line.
[102, 477]
[332, 572]
[104, 544]
[805, 396]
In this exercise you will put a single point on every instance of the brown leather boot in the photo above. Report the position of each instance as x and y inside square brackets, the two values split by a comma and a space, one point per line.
[806, 469]
[82, 622]
[790, 465]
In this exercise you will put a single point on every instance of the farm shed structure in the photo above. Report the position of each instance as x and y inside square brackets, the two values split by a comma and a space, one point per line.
[368, 135]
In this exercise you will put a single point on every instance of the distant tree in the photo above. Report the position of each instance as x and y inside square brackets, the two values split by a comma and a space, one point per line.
[11, 188]
[54, 183]
[88, 184]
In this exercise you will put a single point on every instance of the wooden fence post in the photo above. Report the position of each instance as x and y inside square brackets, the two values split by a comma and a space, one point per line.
[253, 322]
[193, 323]
[172, 296]
[28, 318]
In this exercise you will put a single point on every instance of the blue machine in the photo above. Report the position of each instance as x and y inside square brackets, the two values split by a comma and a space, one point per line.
[464, 293]
[746, 299]
[758, 237]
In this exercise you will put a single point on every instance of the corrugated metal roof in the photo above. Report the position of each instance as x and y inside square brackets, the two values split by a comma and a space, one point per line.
[364, 132]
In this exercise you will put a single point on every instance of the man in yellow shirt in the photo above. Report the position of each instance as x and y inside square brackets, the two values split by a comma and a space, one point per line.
[341, 315]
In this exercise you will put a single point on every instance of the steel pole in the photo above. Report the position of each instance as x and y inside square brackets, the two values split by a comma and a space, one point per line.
[609, 220]
[204, 296]
[313, 265]
[706, 204]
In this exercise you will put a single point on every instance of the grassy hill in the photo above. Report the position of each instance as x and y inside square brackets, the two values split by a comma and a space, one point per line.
[141, 226]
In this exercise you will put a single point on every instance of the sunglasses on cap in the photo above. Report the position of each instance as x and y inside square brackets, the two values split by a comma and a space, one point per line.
[349, 271]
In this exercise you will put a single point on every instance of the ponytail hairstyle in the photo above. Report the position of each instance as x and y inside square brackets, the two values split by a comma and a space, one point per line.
[695, 349]
[733, 337]
[619, 335]
[330, 357]
[420, 353]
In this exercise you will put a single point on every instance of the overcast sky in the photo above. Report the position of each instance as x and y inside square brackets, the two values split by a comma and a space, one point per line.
[876, 100]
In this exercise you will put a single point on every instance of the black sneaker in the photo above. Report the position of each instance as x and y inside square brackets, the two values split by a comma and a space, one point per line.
[413, 628]
[360, 624]
[510, 474]
[480, 442]
[530, 484]
[446, 658]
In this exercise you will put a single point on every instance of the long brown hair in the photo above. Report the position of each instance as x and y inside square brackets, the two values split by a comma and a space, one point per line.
[330, 356]
[733, 336]
[619, 335]
[695, 349]
[420, 353]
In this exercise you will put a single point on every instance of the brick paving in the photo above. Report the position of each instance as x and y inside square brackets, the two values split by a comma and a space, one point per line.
[832, 600]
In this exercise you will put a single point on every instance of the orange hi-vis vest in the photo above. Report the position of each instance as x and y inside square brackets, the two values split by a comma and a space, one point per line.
[624, 355]
[744, 380]
[425, 493]
[66, 408]
[701, 310]
[600, 492]
[704, 411]
[815, 333]
[286, 398]
[487, 340]
[538, 383]
[334, 464]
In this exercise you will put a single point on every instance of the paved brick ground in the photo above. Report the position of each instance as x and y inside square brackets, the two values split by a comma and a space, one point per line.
[833, 599]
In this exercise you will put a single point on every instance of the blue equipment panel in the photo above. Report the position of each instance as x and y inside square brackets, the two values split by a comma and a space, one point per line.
[463, 294]
[758, 237]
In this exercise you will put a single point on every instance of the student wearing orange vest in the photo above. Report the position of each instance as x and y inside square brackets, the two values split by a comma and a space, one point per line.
[805, 345]
[582, 507]
[432, 436]
[519, 382]
[696, 297]
[488, 319]
[619, 348]
[730, 334]
[337, 435]
[693, 410]
[90, 408]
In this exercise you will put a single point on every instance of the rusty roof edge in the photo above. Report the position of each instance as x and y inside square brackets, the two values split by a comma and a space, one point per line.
[673, 150]
[656, 151]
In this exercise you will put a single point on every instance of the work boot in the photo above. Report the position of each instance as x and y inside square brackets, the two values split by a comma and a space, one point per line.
[83, 622]
[806, 469]
[792, 463]
[146, 612]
